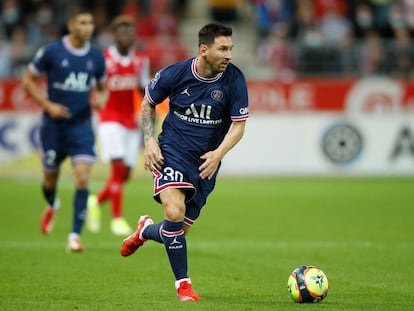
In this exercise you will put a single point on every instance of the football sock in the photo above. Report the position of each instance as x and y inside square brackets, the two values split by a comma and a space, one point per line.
[49, 195]
[115, 196]
[119, 170]
[176, 247]
[153, 232]
[104, 194]
[79, 211]
[114, 187]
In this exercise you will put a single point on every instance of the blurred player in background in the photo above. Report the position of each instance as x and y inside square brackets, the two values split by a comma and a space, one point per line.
[208, 112]
[72, 67]
[128, 72]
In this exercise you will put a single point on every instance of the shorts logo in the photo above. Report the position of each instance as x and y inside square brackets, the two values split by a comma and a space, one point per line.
[216, 95]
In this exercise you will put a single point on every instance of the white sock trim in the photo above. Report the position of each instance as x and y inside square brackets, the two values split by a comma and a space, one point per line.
[73, 235]
[56, 204]
[178, 282]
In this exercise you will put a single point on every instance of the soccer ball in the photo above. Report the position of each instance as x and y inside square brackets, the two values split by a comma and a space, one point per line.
[308, 284]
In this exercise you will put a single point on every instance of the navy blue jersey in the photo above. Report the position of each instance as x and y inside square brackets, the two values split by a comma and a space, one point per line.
[70, 75]
[201, 109]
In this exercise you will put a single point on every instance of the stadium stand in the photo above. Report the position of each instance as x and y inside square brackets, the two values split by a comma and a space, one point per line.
[274, 38]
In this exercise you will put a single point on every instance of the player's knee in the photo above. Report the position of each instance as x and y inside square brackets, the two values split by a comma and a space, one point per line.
[82, 180]
[81, 183]
[174, 212]
[173, 201]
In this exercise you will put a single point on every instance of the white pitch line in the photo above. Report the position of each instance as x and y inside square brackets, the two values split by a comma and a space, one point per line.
[222, 245]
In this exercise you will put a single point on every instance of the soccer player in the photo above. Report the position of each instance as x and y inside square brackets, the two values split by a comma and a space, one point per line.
[73, 67]
[207, 116]
[128, 72]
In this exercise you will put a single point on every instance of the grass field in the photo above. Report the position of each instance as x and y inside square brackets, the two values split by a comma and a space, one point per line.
[251, 235]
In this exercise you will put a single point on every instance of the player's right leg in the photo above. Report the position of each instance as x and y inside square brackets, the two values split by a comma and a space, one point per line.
[47, 220]
[50, 179]
[51, 157]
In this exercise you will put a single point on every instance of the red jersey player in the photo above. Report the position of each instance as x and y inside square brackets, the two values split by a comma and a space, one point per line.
[128, 72]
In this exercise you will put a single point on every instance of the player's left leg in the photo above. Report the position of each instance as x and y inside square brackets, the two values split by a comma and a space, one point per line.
[108, 140]
[114, 192]
[82, 173]
[173, 201]
[119, 146]
[121, 171]
[81, 145]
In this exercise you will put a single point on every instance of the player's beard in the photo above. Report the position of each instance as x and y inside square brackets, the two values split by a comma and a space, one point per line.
[214, 68]
[223, 66]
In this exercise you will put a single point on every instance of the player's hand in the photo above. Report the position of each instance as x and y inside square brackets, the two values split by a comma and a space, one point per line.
[98, 101]
[152, 154]
[211, 163]
[57, 111]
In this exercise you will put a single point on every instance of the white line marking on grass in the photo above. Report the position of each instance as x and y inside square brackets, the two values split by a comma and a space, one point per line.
[302, 245]
[221, 245]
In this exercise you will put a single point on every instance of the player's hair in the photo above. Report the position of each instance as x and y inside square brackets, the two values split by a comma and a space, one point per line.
[74, 11]
[211, 31]
[122, 20]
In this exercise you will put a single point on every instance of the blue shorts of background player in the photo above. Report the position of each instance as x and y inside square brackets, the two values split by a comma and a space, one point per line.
[60, 140]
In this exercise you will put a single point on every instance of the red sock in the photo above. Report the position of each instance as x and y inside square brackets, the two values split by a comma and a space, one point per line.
[119, 171]
[104, 194]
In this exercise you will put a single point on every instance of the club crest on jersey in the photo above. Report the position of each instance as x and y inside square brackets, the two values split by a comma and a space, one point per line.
[64, 63]
[89, 65]
[216, 95]
[110, 65]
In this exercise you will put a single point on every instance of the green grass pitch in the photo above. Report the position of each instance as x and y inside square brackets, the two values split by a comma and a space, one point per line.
[250, 236]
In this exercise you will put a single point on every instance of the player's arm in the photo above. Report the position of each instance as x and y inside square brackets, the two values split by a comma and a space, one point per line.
[152, 152]
[54, 110]
[212, 158]
[100, 96]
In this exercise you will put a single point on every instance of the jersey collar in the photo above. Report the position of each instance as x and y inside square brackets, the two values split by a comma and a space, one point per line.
[200, 78]
[78, 52]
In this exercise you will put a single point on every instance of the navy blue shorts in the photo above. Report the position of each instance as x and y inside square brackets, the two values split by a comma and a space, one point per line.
[59, 140]
[182, 172]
